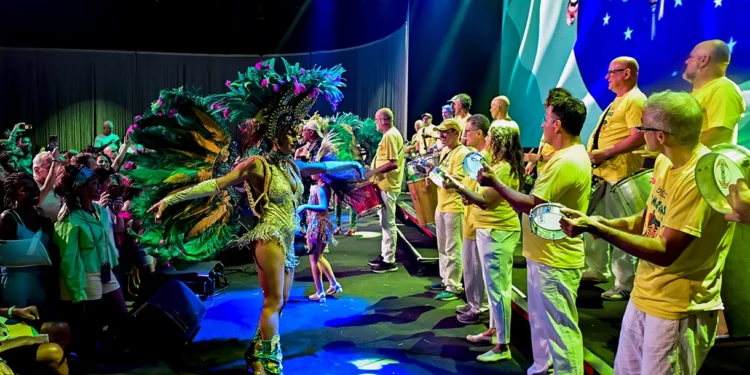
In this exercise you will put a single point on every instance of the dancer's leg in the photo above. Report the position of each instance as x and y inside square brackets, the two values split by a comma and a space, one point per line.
[269, 258]
[327, 270]
[315, 267]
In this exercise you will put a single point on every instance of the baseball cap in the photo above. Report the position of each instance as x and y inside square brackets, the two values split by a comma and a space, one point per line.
[313, 125]
[449, 124]
[425, 114]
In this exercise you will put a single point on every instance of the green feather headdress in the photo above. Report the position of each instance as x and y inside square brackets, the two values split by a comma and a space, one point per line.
[278, 101]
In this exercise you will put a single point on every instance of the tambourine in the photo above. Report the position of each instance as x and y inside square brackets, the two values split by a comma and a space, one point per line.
[544, 221]
[715, 171]
[473, 164]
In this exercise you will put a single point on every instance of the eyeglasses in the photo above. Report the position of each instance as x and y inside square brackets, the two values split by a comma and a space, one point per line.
[644, 129]
[610, 72]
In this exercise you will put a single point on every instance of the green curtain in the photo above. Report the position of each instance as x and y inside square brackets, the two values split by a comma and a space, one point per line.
[70, 93]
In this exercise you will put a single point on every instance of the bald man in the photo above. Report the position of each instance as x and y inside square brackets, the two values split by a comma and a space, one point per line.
[499, 107]
[387, 172]
[721, 99]
[610, 146]
[107, 138]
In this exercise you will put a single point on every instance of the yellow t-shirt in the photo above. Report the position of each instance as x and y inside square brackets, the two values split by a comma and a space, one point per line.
[469, 230]
[546, 151]
[499, 215]
[462, 122]
[391, 147]
[693, 282]
[565, 179]
[452, 163]
[722, 103]
[430, 135]
[622, 115]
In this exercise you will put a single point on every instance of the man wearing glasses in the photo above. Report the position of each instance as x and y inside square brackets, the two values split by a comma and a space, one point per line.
[387, 172]
[721, 99]
[672, 316]
[610, 150]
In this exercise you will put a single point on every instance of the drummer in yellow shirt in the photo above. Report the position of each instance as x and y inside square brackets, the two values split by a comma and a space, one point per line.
[671, 320]
[554, 268]
[610, 146]
[720, 98]
[476, 308]
[498, 232]
[536, 161]
[449, 213]
[388, 173]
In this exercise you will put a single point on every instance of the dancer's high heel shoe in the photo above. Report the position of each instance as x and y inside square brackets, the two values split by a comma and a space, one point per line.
[320, 297]
[333, 289]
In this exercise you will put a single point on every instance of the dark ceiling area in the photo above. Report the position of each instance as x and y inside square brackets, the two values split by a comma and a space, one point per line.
[199, 26]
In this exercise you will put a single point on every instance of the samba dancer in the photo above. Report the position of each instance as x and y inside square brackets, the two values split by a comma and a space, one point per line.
[198, 132]
[554, 268]
[671, 320]
[498, 231]
[609, 147]
[476, 307]
[388, 173]
[449, 213]
[721, 99]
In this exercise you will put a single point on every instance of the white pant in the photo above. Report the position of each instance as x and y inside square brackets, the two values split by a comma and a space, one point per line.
[598, 251]
[555, 337]
[387, 215]
[449, 227]
[496, 254]
[651, 345]
[473, 279]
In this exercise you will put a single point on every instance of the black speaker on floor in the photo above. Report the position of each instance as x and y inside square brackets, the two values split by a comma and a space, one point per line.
[168, 321]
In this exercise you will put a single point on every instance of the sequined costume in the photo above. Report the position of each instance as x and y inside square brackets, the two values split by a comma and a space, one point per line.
[188, 148]
[279, 220]
[319, 224]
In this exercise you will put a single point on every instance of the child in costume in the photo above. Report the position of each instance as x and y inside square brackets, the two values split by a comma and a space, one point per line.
[191, 166]
[319, 236]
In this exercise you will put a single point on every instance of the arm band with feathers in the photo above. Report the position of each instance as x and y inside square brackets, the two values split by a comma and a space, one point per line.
[204, 189]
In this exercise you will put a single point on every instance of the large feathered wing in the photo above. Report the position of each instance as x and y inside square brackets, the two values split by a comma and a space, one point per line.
[184, 144]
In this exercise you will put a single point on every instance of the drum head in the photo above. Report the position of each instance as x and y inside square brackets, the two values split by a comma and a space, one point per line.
[437, 176]
[473, 164]
[723, 166]
[544, 220]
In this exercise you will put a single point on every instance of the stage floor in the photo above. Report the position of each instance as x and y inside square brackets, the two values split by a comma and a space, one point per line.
[381, 324]
[599, 320]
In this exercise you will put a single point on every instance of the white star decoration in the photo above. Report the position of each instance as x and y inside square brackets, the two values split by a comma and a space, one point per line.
[717, 3]
[731, 44]
[677, 3]
[606, 19]
[627, 33]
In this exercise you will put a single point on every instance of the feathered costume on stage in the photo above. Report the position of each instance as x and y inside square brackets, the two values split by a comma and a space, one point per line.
[187, 141]
[188, 146]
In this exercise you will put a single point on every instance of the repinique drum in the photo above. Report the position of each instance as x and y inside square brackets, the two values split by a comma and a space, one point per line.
[473, 164]
[364, 198]
[419, 166]
[424, 198]
[544, 221]
[437, 176]
[723, 166]
[630, 195]
[598, 187]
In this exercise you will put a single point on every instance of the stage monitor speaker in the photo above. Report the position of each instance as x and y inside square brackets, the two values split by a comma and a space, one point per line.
[168, 321]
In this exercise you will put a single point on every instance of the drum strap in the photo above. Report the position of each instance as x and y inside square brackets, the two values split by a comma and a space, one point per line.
[447, 154]
[595, 146]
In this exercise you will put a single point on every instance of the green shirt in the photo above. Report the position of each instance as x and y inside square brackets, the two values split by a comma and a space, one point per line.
[86, 242]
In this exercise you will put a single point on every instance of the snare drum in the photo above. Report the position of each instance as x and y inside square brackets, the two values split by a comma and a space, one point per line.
[424, 198]
[364, 198]
[544, 221]
[630, 195]
[473, 164]
[723, 166]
